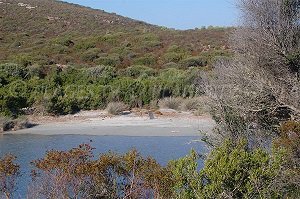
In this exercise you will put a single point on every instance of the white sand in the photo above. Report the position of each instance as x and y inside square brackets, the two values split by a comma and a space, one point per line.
[126, 125]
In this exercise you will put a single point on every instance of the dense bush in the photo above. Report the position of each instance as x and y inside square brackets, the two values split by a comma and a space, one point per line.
[108, 60]
[234, 171]
[90, 55]
[230, 171]
[193, 62]
[173, 57]
[66, 89]
[74, 174]
[147, 60]
[136, 71]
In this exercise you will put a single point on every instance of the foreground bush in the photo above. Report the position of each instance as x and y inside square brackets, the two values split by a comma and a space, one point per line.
[74, 174]
[235, 172]
[230, 171]
[9, 171]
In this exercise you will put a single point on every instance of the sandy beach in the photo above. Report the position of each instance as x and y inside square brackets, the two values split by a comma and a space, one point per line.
[168, 123]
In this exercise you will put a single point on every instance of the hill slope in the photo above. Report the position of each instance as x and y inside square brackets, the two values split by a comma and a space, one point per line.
[47, 32]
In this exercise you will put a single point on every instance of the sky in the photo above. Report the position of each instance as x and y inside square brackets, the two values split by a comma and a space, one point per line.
[178, 14]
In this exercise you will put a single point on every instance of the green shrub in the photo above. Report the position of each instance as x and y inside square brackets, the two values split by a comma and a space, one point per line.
[212, 56]
[85, 44]
[111, 38]
[176, 49]
[35, 71]
[187, 181]
[234, 170]
[171, 65]
[11, 105]
[108, 60]
[57, 49]
[193, 62]
[151, 44]
[147, 60]
[90, 55]
[138, 71]
[105, 73]
[24, 59]
[63, 41]
[13, 70]
[293, 61]
[173, 57]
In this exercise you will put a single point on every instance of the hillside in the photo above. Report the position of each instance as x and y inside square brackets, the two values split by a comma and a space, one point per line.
[47, 32]
[59, 58]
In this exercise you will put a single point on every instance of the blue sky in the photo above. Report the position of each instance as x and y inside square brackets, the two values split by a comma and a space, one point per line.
[179, 14]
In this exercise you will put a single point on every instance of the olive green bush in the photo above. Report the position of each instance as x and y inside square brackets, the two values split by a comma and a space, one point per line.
[230, 171]
[147, 60]
[173, 57]
[136, 71]
[108, 60]
[69, 88]
[193, 62]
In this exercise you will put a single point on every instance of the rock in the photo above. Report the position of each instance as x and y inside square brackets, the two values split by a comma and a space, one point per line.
[151, 115]
[125, 112]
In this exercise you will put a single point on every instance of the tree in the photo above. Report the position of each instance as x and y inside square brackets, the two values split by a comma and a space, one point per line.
[260, 86]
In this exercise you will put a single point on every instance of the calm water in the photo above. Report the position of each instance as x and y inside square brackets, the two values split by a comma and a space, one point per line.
[30, 147]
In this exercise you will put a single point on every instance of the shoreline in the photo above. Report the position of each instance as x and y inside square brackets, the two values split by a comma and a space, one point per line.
[168, 123]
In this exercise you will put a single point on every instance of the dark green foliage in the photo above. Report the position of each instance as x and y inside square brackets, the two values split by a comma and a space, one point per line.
[194, 62]
[108, 60]
[173, 57]
[148, 60]
[232, 171]
[90, 55]
[70, 89]
[85, 45]
[294, 62]
[136, 71]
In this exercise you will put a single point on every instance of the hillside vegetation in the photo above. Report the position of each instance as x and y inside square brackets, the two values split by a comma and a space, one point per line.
[60, 58]
[51, 32]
